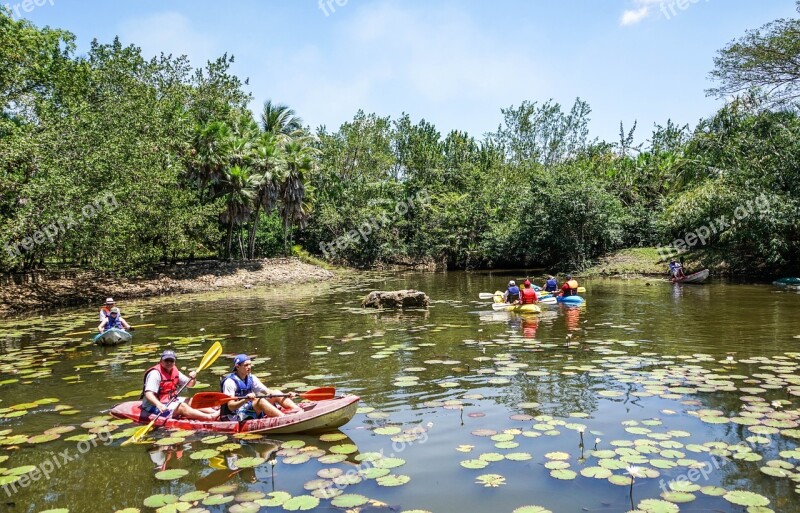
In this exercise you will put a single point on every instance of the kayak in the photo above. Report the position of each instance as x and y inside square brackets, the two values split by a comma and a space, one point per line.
[316, 417]
[571, 300]
[697, 277]
[113, 337]
[787, 282]
[506, 307]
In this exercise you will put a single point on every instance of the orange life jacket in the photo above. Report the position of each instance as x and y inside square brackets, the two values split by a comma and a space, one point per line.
[168, 385]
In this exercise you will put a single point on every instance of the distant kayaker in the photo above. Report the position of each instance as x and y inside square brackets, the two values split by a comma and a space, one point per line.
[161, 383]
[244, 388]
[551, 285]
[512, 294]
[527, 295]
[106, 308]
[675, 269]
[114, 320]
[570, 287]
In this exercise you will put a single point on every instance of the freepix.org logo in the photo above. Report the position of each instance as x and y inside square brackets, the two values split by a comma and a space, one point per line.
[19, 9]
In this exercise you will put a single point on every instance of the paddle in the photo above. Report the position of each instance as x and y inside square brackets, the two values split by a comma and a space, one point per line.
[133, 328]
[485, 295]
[210, 357]
[212, 399]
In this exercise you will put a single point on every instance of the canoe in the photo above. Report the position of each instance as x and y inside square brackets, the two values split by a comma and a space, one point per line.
[505, 307]
[316, 417]
[571, 300]
[698, 277]
[113, 337]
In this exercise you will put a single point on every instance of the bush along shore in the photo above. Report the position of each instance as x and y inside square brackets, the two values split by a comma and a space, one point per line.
[93, 287]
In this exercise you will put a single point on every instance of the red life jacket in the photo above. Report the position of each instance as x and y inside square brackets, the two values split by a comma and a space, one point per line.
[168, 385]
[527, 296]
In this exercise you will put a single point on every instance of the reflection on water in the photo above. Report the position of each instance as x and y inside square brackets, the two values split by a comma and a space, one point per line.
[638, 367]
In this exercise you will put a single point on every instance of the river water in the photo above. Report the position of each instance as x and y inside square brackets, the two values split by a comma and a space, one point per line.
[462, 408]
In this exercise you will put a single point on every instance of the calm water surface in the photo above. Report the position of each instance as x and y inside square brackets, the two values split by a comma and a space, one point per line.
[642, 367]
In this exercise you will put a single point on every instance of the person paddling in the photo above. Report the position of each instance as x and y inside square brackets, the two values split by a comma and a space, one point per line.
[114, 320]
[551, 285]
[511, 295]
[527, 295]
[243, 388]
[570, 287]
[161, 383]
[676, 269]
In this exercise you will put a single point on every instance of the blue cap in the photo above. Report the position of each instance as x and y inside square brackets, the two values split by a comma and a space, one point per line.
[169, 353]
[239, 359]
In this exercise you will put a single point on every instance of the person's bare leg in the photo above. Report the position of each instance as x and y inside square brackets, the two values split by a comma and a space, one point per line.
[186, 411]
[267, 408]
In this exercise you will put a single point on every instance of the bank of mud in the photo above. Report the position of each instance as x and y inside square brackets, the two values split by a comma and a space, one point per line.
[90, 288]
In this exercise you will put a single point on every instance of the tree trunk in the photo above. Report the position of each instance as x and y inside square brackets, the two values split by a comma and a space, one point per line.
[230, 235]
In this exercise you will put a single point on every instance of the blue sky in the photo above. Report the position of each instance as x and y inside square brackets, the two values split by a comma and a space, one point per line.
[453, 63]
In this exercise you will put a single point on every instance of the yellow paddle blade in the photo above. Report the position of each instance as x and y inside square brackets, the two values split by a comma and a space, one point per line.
[139, 433]
[211, 356]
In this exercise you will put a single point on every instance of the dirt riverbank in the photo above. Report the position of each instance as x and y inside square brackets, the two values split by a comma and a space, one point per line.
[92, 288]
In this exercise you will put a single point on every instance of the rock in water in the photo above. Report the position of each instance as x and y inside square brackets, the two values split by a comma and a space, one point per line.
[396, 299]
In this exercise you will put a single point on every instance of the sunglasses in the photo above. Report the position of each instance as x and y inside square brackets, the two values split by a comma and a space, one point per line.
[171, 360]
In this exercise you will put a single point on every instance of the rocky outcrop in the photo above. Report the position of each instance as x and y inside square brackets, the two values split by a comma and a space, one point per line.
[396, 299]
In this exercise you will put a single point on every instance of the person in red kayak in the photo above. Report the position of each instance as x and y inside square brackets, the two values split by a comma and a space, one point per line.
[570, 287]
[244, 389]
[527, 296]
[161, 383]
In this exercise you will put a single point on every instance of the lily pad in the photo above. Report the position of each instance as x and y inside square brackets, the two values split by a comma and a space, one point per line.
[301, 503]
[745, 498]
[172, 474]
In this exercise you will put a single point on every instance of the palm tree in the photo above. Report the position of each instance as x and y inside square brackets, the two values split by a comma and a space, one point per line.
[238, 192]
[268, 168]
[280, 120]
[210, 143]
[299, 161]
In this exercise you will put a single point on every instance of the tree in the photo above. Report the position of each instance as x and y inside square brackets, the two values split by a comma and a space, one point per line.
[279, 119]
[238, 193]
[766, 59]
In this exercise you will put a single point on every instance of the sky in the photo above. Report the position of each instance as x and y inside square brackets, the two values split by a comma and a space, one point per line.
[455, 64]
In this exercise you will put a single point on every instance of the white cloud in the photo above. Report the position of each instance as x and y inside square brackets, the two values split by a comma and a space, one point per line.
[634, 16]
[169, 32]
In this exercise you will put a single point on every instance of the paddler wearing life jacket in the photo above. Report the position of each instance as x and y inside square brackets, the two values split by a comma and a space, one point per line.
[161, 385]
[106, 308]
[570, 287]
[511, 295]
[114, 320]
[527, 296]
[244, 389]
[551, 285]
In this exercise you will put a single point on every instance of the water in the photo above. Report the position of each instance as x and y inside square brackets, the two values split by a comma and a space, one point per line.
[636, 367]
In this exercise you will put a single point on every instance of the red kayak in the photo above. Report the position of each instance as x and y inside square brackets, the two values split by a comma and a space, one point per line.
[316, 416]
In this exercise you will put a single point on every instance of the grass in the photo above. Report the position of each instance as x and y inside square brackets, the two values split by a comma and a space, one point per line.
[310, 259]
[645, 261]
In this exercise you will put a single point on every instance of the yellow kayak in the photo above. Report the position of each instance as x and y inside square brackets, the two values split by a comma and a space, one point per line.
[505, 307]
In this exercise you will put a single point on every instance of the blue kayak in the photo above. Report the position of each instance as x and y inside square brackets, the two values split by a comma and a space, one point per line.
[112, 337]
[571, 300]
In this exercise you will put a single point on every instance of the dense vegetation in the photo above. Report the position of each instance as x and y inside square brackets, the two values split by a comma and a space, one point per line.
[112, 162]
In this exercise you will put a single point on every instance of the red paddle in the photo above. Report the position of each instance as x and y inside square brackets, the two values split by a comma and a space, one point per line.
[212, 399]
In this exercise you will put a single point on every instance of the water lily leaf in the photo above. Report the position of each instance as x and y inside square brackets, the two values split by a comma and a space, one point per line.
[387, 430]
[474, 464]
[250, 462]
[557, 456]
[172, 474]
[374, 473]
[620, 480]
[491, 456]
[745, 498]
[212, 440]
[344, 449]
[223, 489]
[274, 499]
[389, 463]
[156, 501]
[491, 480]
[204, 454]
[332, 437]
[217, 500]
[194, 496]
[563, 474]
[301, 503]
[293, 444]
[393, 480]
[596, 472]
[518, 456]
[678, 497]
[331, 459]
[657, 506]
[349, 500]
[245, 507]
[713, 491]
[296, 459]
